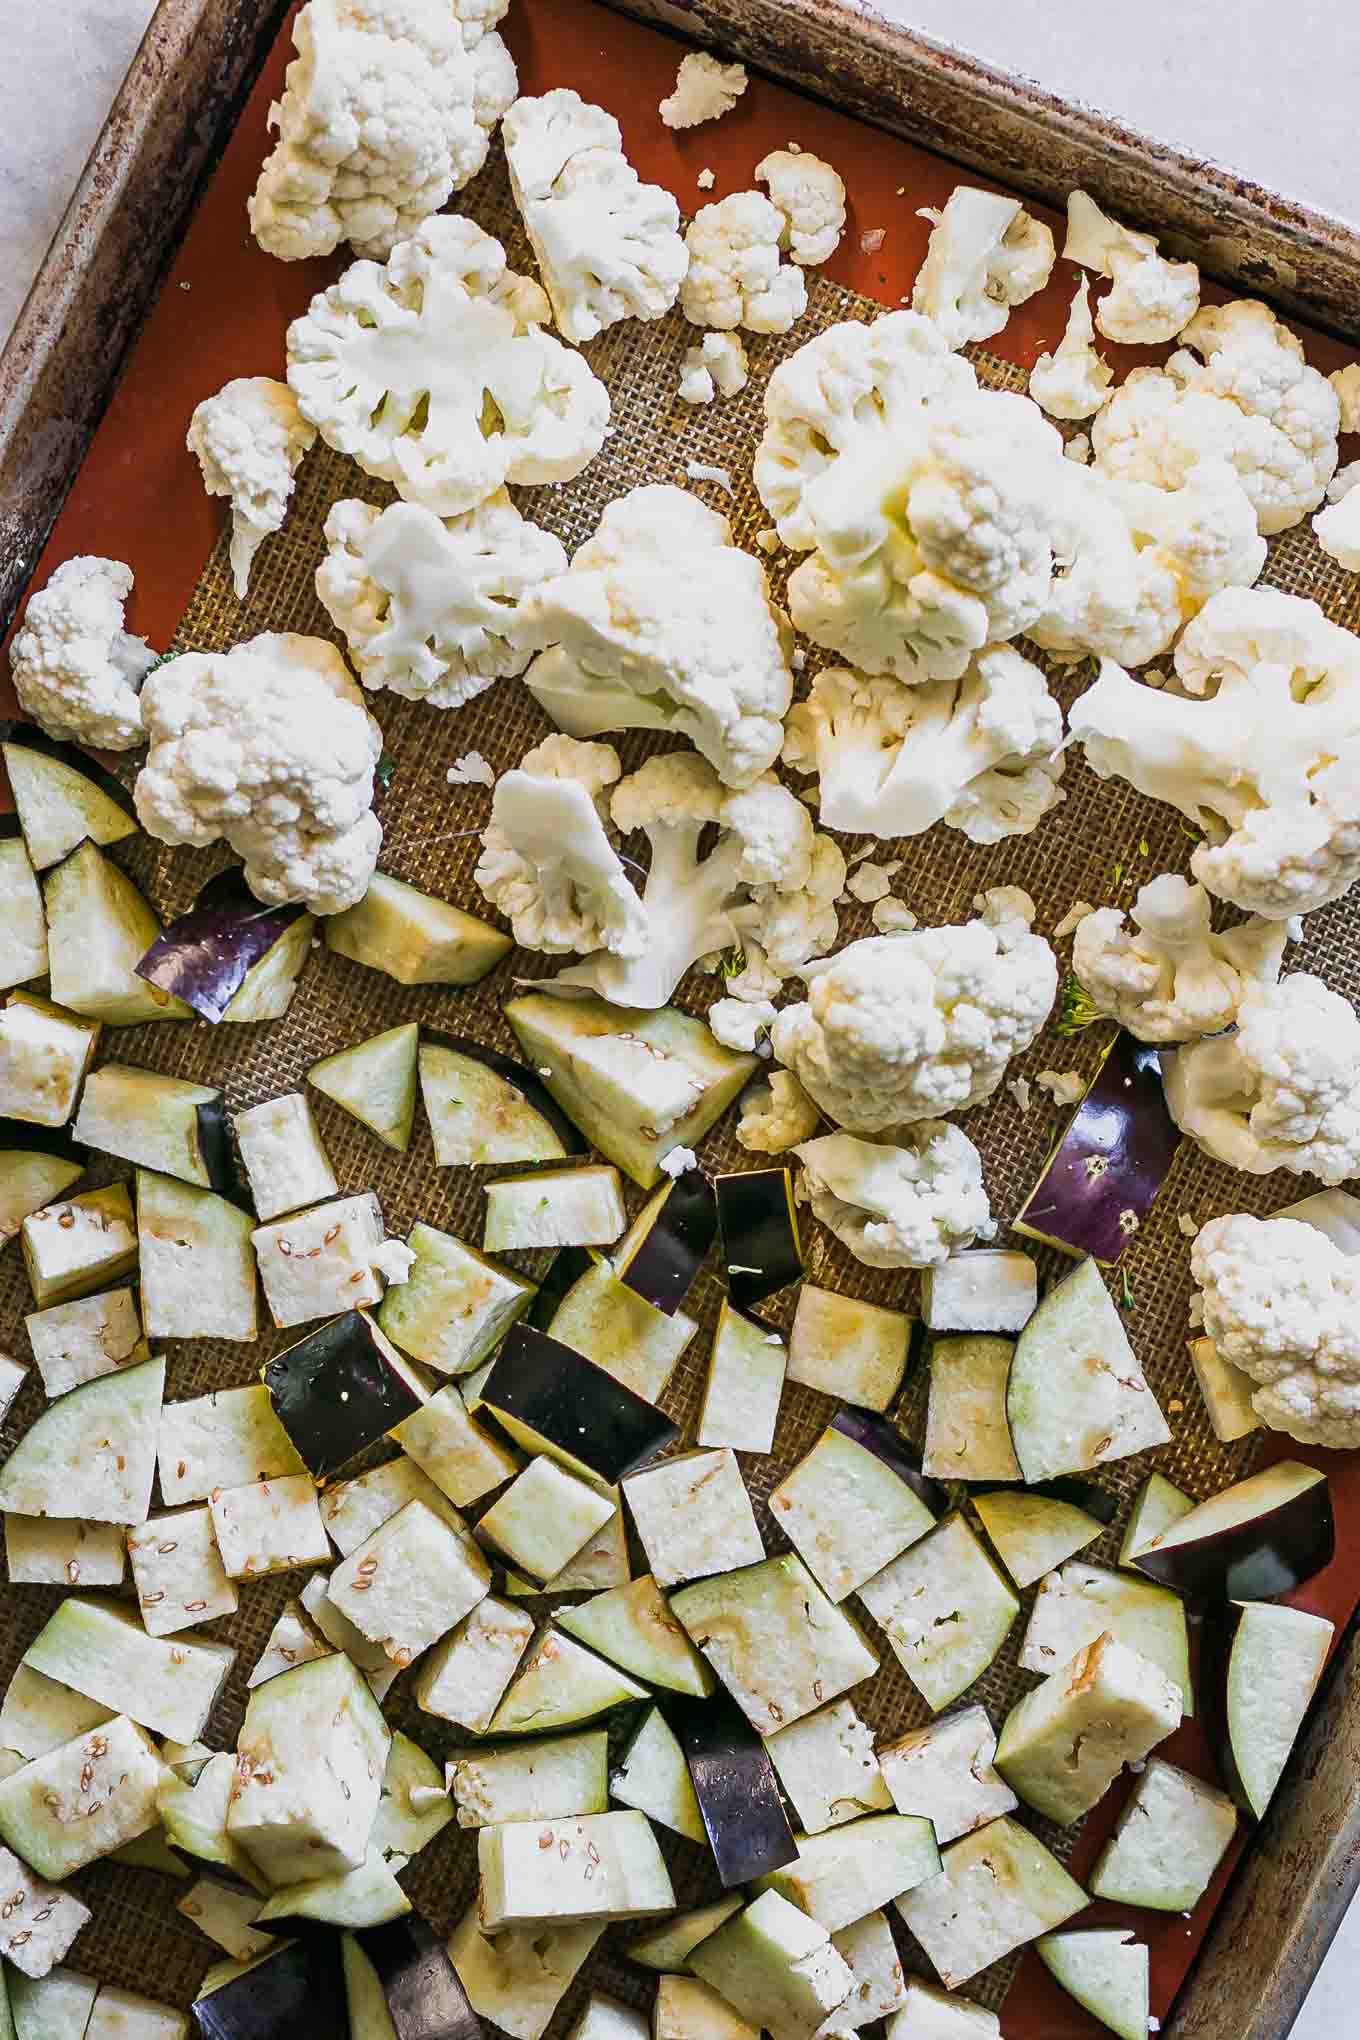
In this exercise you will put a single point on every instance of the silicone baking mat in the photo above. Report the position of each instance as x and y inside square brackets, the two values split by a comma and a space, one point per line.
[223, 312]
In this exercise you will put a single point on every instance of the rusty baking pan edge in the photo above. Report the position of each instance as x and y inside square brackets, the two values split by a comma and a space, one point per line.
[1014, 131]
[180, 99]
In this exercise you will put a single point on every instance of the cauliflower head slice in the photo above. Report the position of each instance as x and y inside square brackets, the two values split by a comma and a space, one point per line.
[1075, 381]
[983, 754]
[428, 604]
[1153, 299]
[270, 747]
[1337, 528]
[250, 440]
[906, 1206]
[384, 114]
[1282, 1302]
[695, 906]
[608, 245]
[1283, 1092]
[547, 861]
[735, 275]
[776, 1114]
[1259, 748]
[811, 196]
[1170, 977]
[986, 255]
[1240, 390]
[662, 623]
[434, 373]
[900, 1028]
[75, 669]
[705, 89]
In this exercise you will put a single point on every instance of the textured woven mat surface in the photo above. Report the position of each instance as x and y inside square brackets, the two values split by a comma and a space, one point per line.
[1099, 845]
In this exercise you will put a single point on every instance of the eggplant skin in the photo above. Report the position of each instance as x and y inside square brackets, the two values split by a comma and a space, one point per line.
[1259, 1560]
[206, 955]
[886, 1442]
[735, 1785]
[521, 1078]
[759, 1227]
[425, 1999]
[335, 1394]
[219, 1156]
[574, 1404]
[300, 1990]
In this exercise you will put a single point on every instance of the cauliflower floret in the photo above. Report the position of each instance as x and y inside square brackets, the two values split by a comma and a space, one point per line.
[1172, 978]
[735, 275]
[704, 90]
[908, 1206]
[983, 754]
[1261, 750]
[740, 1023]
[250, 440]
[377, 125]
[1282, 1302]
[1346, 382]
[608, 245]
[270, 746]
[428, 604]
[900, 1028]
[1153, 299]
[1337, 528]
[372, 367]
[986, 255]
[811, 196]
[75, 669]
[693, 906]
[775, 1115]
[547, 861]
[1074, 382]
[495, 81]
[925, 503]
[1283, 1092]
[717, 368]
[662, 623]
[1251, 399]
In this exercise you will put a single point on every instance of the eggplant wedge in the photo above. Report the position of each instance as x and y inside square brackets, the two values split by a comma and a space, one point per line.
[735, 1784]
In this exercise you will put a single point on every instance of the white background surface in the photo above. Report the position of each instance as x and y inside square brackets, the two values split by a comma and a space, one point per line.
[1279, 104]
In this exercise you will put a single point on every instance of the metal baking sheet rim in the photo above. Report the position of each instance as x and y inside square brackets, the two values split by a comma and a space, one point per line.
[181, 98]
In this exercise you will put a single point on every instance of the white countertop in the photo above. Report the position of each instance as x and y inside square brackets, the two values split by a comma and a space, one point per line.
[1282, 110]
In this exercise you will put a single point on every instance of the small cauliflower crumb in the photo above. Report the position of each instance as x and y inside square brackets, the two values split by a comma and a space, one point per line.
[1346, 382]
[893, 917]
[768, 541]
[706, 179]
[696, 384]
[872, 240]
[799, 660]
[1078, 448]
[1019, 1090]
[1064, 1087]
[678, 1161]
[394, 1261]
[811, 196]
[700, 471]
[739, 1023]
[1078, 911]
[717, 368]
[1187, 1226]
[472, 769]
[704, 90]
[869, 882]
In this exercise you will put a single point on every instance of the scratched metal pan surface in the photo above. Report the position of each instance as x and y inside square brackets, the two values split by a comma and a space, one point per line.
[182, 103]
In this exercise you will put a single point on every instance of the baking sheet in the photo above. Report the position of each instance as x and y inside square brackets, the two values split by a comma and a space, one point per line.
[223, 313]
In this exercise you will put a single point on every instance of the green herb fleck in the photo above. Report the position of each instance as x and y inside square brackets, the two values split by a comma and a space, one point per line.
[385, 771]
[1189, 829]
[1126, 1300]
[733, 963]
[1076, 1008]
[1143, 848]
[1119, 874]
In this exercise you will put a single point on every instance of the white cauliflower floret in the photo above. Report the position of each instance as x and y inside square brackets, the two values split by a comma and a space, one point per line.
[811, 196]
[75, 669]
[1074, 382]
[735, 275]
[1171, 978]
[547, 861]
[907, 1206]
[740, 1023]
[377, 125]
[608, 245]
[662, 623]
[986, 255]
[428, 604]
[1153, 299]
[495, 81]
[924, 502]
[1282, 1302]
[760, 881]
[1337, 528]
[900, 1028]
[983, 753]
[1250, 399]
[270, 746]
[1283, 1091]
[373, 367]
[717, 368]
[250, 440]
[775, 1115]
[705, 89]
[1261, 750]
[1346, 382]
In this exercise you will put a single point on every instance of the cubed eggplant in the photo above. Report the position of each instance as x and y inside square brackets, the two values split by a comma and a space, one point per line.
[37, 1164]
[549, 1399]
[486, 1107]
[1103, 1177]
[736, 1787]
[1264, 1663]
[163, 1123]
[886, 1442]
[759, 1226]
[62, 796]
[339, 1390]
[663, 1250]
[425, 2000]
[1257, 1540]
[297, 1989]
[229, 957]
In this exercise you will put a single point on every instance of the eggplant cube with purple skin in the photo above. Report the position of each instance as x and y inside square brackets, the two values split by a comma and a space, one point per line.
[341, 1389]
[694, 1516]
[945, 1773]
[178, 1573]
[38, 1921]
[409, 1583]
[1063, 1745]
[322, 1261]
[269, 1526]
[284, 1157]
[774, 1639]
